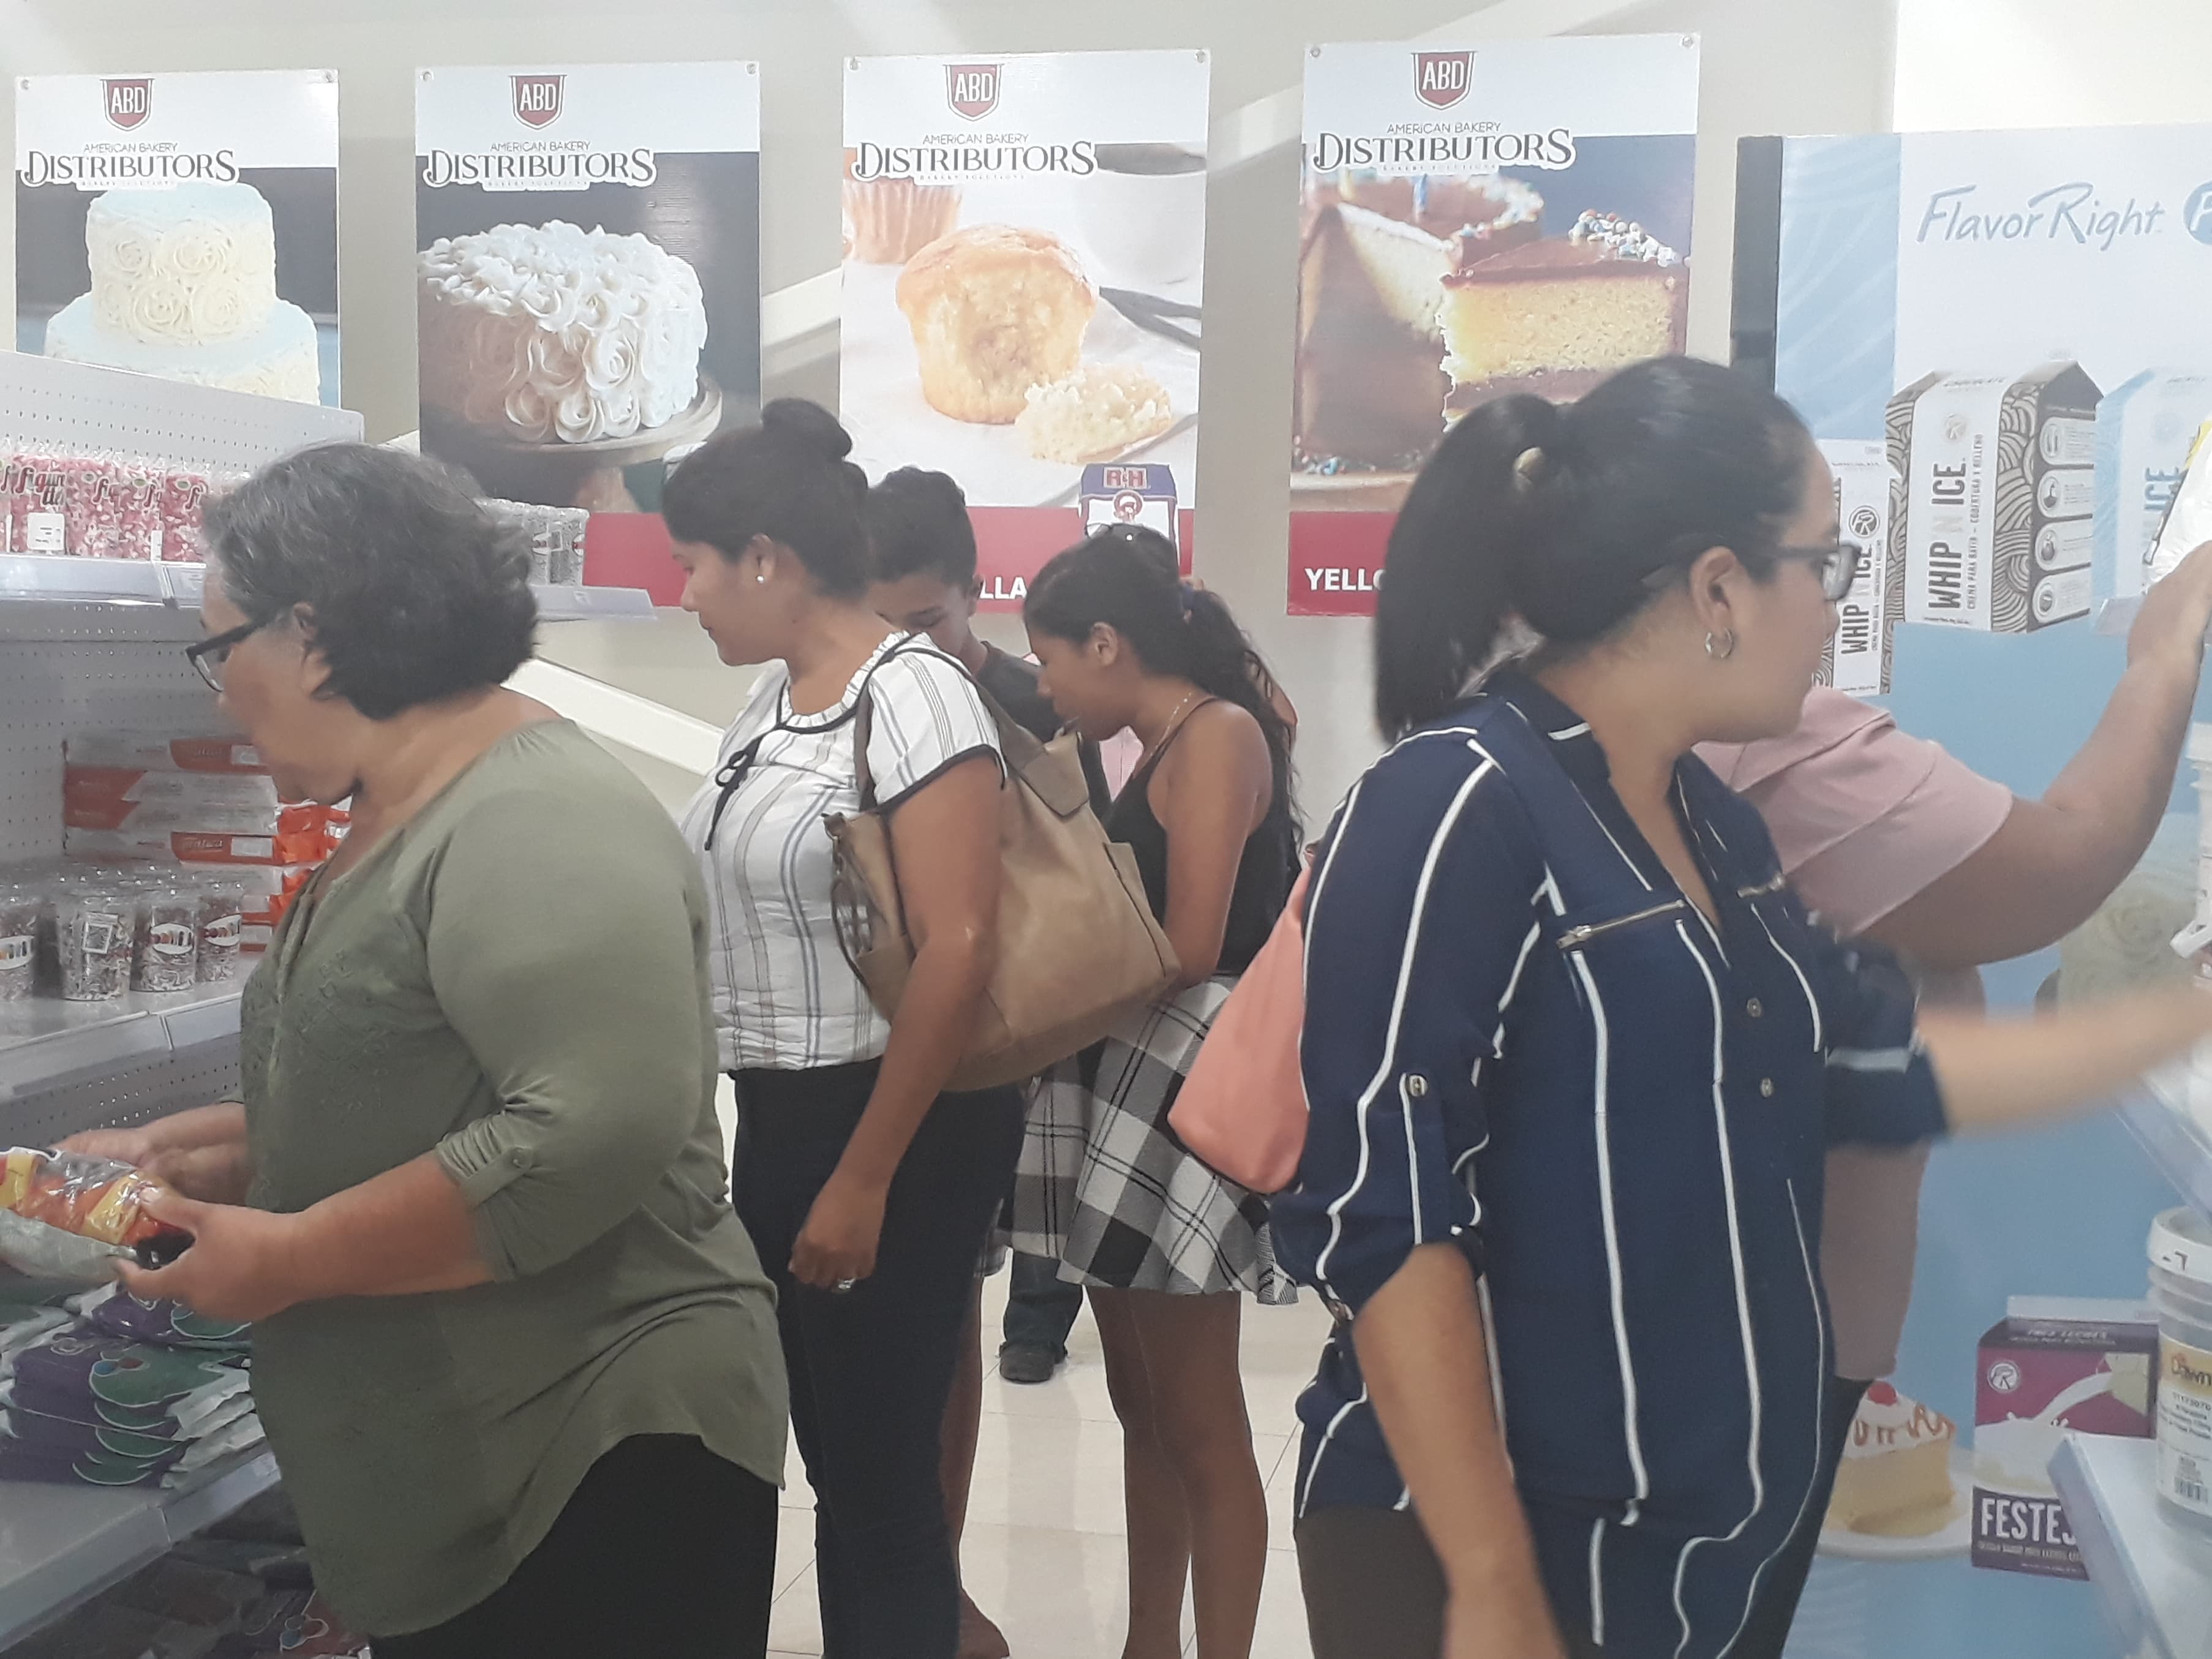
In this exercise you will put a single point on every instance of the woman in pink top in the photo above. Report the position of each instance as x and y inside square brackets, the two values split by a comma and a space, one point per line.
[1884, 835]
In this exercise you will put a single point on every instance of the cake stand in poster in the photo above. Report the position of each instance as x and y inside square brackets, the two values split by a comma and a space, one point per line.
[588, 474]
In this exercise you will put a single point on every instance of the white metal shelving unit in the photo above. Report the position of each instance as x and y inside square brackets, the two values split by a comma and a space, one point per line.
[87, 642]
[91, 642]
[2150, 1575]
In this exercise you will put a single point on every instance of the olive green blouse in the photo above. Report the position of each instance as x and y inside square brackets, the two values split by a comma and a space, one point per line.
[515, 979]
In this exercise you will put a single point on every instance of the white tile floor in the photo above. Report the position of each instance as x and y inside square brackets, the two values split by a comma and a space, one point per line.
[1044, 1555]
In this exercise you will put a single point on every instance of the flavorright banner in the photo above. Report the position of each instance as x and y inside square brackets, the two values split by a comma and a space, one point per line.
[1474, 222]
[1991, 336]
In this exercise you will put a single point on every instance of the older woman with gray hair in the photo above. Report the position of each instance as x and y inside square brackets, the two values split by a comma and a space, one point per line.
[515, 1353]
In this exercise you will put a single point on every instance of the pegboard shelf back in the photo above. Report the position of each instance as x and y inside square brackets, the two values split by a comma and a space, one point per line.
[79, 408]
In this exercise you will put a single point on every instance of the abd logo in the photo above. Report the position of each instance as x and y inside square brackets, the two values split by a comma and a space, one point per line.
[126, 104]
[538, 98]
[1441, 79]
[972, 89]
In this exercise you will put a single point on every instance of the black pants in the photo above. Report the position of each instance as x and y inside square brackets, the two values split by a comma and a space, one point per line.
[871, 1369]
[1041, 1305]
[1777, 1608]
[1374, 1589]
[665, 1549]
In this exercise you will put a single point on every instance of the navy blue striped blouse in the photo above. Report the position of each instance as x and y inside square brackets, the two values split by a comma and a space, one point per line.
[1521, 1036]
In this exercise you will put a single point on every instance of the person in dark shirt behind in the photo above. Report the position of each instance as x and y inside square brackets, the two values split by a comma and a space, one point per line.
[922, 550]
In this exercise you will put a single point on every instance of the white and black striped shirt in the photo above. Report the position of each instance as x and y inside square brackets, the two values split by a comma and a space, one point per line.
[786, 999]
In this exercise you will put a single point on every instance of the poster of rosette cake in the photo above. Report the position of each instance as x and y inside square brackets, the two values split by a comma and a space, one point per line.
[587, 272]
[1474, 222]
[184, 226]
[1024, 250]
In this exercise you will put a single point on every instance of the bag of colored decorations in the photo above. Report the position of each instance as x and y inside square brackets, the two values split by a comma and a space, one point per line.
[69, 1215]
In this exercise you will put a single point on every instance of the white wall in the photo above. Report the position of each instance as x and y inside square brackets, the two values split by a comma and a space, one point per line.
[1770, 66]
[1969, 64]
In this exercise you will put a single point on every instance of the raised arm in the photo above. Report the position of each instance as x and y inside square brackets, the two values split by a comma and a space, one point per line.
[2056, 859]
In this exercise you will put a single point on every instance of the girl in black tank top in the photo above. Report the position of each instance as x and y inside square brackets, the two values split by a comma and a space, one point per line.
[1264, 871]
[1105, 1187]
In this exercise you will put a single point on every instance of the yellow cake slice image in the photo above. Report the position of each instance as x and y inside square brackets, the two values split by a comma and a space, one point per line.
[1895, 1478]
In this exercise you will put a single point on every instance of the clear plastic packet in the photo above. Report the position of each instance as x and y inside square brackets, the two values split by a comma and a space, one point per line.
[72, 1216]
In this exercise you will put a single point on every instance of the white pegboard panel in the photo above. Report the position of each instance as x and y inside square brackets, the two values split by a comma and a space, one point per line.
[129, 672]
[77, 407]
[122, 1099]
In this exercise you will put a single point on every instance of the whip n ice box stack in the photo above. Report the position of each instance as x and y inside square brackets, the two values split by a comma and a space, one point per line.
[2000, 489]
[1857, 658]
[2052, 1363]
[2144, 431]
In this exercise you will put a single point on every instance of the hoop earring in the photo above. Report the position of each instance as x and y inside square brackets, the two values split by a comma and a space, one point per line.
[1721, 649]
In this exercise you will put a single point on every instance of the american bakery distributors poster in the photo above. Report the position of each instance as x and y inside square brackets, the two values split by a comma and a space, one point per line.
[587, 272]
[184, 226]
[1474, 222]
[1024, 254]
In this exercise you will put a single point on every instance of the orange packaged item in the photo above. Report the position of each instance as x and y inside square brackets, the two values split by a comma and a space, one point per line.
[162, 751]
[196, 847]
[53, 1204]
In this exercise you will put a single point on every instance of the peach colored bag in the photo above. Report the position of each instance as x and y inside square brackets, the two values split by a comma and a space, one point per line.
[1242, 1109]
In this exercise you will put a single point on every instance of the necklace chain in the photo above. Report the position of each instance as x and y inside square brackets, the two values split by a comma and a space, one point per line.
[1167, 729]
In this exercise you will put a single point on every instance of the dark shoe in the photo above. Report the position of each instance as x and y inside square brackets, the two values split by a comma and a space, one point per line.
[1025, 1362]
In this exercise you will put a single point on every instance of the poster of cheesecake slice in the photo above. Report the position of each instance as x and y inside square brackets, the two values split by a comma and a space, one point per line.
[1023, 284]
[586, 272]
[183, 226]
[1474, 222]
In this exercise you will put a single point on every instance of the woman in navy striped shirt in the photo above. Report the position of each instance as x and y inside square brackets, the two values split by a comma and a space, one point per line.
[1574, 1051]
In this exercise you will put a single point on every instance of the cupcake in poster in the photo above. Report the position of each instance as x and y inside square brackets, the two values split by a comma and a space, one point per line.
[587, 282]
[1024, 245]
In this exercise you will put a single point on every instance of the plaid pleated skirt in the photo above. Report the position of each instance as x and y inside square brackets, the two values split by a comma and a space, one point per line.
[1106, 1189]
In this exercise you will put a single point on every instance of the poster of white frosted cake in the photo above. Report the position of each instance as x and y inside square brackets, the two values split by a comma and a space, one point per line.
[1476, 222]
[1024, 258]
[587, 272]
[184, 226]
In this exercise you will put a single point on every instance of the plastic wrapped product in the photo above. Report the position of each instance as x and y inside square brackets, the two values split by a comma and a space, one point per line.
[222, 921]
[19, 935]
[95, 931]
[54, 1204]
[2188, 522]
[167, 957]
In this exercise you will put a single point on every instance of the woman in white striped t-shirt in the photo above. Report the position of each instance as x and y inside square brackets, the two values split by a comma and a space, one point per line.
[868, 1190]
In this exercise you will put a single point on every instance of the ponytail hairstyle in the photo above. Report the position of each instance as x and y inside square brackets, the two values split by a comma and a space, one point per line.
[786, 479]
[1573, 518]
[1131, 579]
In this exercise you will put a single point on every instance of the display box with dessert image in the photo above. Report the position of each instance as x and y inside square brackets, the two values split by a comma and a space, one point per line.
[587, 273]
[1024, 271]
[1473, 222]
[183, 226]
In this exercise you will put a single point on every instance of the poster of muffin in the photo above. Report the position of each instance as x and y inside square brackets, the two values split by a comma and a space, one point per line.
[184, 226]
[587, 272]
[1474, 222]
[1024, 250]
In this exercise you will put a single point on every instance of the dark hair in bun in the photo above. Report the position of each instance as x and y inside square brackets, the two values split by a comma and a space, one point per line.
[786, 479]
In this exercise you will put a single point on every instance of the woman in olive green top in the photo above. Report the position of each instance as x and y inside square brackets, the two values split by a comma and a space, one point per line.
[515, 1354]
